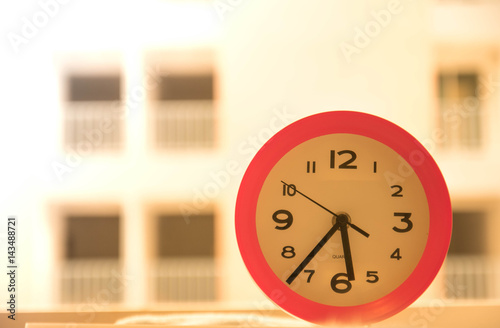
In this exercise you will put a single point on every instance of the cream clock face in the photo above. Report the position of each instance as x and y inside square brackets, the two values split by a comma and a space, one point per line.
[342, 219]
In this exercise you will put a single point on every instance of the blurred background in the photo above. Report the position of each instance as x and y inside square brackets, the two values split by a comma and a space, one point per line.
[126, 126]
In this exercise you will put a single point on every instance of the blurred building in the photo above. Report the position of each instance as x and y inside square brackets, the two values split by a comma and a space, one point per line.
[141, 125]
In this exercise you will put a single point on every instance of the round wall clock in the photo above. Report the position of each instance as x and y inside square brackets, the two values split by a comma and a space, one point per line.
[343, 217]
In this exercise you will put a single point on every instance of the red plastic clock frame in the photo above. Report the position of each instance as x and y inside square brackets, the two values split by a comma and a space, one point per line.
[378, 129]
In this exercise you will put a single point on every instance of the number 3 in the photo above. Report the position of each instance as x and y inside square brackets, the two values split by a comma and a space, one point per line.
[405, 219]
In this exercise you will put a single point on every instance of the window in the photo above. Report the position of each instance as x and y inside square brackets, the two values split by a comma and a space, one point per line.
[94, 88]
[469, 234]
[459, 110]
[90, 237]
[186, 87]
[184, 113]
[91, 258]
[470, 272]
[92, 113]
[181, 237]
[185, 267]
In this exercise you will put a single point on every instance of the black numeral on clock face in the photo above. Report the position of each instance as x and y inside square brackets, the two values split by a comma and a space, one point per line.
[340, 285]
[398, 191]
[288, 252]
[347, 160]
[289, 190]
[283, 217]
[372, 276]
[405, 219]
[311, 167]
[310, 272]
[396, 254]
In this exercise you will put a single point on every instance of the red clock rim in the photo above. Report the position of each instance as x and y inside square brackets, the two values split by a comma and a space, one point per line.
[378, 129]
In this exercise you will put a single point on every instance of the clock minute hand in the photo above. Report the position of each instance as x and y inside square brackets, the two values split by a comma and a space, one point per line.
[311, 255]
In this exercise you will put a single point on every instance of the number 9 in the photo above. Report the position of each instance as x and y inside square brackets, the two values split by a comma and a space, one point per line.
[287, 221]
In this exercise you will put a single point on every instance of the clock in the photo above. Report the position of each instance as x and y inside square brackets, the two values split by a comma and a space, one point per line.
[343, 217]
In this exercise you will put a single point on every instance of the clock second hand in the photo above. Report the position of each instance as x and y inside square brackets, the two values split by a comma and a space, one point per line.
[312, 200]
[352, 225]
[358, 229]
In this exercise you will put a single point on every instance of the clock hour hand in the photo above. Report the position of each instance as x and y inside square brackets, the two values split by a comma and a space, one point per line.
[347, 251]
[310, 256]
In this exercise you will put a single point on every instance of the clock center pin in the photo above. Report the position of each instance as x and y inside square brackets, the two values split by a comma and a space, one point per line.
[341, 218]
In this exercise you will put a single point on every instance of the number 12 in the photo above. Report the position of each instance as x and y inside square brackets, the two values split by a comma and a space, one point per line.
[347, 164]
